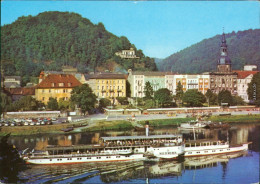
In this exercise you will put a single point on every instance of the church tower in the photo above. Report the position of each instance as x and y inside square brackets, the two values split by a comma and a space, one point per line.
[224, 62]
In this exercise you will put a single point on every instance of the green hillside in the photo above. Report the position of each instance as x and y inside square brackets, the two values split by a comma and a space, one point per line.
[243, 48]
[52, 39]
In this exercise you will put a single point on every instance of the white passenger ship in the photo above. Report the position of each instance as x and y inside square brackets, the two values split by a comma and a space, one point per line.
[207, 147]
[123, 148]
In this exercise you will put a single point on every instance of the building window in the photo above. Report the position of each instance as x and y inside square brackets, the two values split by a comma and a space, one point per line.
[52, 84]
[43, 91]
[61, 84]
[49, 90]
[69, 84]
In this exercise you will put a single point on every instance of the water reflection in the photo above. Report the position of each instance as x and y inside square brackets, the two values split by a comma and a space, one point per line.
[237, 134]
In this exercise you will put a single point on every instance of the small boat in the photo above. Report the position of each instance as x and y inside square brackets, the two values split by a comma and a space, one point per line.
[67, 129]
[217, 125]
[193, 125]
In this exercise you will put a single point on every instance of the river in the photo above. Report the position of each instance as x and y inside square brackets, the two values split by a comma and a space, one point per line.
[236, 168]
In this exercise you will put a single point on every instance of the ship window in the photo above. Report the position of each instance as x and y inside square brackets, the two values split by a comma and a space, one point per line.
[50, 159]
[117, 156]
[213, 151]
[189, 152]
[205, 151]
[228, 149]
[88, 157]
[198, 152]
[220, 150]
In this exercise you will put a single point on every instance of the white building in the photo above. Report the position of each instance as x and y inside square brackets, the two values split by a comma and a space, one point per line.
[243, 79]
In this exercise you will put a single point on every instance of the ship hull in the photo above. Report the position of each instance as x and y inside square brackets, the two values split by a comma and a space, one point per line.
[47, 160]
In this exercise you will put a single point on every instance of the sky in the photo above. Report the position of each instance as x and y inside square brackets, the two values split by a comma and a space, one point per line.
[159, 28]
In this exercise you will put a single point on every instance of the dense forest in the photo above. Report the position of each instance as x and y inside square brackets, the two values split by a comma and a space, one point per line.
[53, 39]
[243, 48]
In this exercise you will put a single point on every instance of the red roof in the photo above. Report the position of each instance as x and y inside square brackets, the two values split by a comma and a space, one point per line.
[244, 74]
[59, 81]
[21, 91]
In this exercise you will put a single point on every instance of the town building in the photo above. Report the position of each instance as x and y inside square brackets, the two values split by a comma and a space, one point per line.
[12, 81]
[157, 80]
[201, 82]
[56, 86]
[127, 54]
[224, 78]
[107, 85]
[17, 93]
[243, 79]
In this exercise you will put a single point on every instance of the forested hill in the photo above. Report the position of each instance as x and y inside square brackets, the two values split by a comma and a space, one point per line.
[243, 48]
[52, 39]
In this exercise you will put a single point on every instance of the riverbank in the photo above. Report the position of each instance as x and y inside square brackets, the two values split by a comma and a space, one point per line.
[254, 118]
[31, 130]
[120, 125]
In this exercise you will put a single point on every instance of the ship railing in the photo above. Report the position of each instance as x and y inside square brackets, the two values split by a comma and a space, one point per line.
[142, 144]
[75, 155]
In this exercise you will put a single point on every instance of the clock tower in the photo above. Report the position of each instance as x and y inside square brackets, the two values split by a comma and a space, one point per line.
[224, 62]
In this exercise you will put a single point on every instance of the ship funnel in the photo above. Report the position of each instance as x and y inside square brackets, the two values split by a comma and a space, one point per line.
[147, 128]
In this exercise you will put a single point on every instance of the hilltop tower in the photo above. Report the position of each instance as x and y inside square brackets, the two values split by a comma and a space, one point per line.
[224, 62]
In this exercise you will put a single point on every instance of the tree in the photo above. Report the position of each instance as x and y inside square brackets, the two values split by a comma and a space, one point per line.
[27, 103]
[253, 89]
[63, 104]
[6, 103]
[10, 162]
[225, 96]
[148, 90]
[53, 104]
[163, 96]
[193, 98]
[122, 100]
[237, 100]
[83, 97]
[211, 97]
[103, 102]
[128, 89]
[179, 92]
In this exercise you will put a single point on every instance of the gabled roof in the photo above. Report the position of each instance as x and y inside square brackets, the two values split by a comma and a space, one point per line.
[244, 74]
[11, 84]
[18, 78]
[54, 81]
[20, 91]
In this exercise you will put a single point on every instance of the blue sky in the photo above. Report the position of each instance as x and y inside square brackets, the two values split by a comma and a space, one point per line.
[158, 28]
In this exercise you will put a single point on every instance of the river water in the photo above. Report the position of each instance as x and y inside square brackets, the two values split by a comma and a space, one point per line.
[236, 168]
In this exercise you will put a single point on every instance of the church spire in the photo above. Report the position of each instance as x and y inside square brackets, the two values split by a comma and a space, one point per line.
[224, 43]
[224, 62]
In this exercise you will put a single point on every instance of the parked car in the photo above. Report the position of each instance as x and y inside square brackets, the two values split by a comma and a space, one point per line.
[32, 123]
[26, 123]
[38, 123]
[43, 123]
[6, 124]
[19, 124]
[13, 124]
[49, 123]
